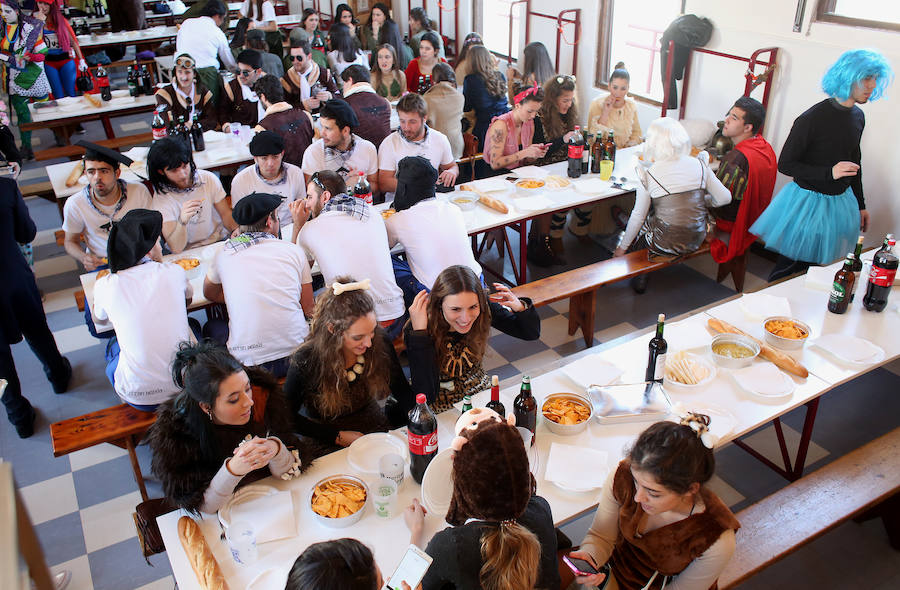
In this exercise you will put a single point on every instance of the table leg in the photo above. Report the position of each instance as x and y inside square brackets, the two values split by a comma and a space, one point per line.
[107, 126]
[523, 254]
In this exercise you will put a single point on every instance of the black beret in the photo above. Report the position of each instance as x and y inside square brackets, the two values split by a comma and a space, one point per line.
[250, 57]
[340, 110]
[132, 237]
[93, 151]
[257, 34]
[415, 182]
[266, 143]
[255, 207]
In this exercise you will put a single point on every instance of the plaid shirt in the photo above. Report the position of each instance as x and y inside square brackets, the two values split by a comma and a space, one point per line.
[349, 206]
[247, 239]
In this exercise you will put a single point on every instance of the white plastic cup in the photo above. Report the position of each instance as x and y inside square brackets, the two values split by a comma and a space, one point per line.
[241, 539]
[391, 467]
[384, 498]
[526, 436]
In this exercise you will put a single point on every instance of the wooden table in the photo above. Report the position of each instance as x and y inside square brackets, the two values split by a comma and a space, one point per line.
[388, 537]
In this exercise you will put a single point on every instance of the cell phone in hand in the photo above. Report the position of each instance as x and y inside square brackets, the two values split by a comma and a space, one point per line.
[411, 569]
[580, 567]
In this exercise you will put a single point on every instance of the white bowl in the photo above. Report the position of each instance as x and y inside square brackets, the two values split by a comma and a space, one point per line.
[465, 200]
[530, 192]
[338, 523]
[568, 429]
[730, 362]
[782, 342]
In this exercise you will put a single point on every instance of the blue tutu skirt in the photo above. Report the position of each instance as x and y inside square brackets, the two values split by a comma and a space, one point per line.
[812, 227]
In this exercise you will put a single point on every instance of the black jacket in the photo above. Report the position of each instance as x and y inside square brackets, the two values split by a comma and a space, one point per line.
[19, 294]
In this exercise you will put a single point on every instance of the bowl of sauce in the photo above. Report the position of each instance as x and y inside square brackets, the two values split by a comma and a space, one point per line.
[733, 351]
[465, 200]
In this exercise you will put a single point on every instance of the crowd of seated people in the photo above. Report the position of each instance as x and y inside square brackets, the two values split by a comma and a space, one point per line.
[322, 125]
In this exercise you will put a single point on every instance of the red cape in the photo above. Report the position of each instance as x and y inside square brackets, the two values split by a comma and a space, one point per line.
[757, 195]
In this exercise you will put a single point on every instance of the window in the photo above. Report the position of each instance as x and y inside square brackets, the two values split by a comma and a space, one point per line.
[496, 31]
[876, 14]
[630, 32]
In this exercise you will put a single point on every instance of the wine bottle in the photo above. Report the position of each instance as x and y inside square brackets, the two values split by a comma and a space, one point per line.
[495, 403]
[656, 363]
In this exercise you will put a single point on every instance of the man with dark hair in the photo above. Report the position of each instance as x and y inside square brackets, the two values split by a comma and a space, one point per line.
[373, 111]
[339, 149]
[346, 236]
[267, 286]
[295, 126]
[270, 175]
[239, 103]
[202, 38]
[414, 138]
[271, 63]
[305, 83]
[749, 172]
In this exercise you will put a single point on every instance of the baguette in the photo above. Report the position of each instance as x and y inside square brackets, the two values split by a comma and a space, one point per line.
[486, 200]
[202, 561]
[779, 359]
[75, 174]
[92, 99]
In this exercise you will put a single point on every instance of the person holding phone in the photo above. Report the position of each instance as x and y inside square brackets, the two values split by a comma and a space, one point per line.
[502, 534]
[511, 135]
[656, 522]
[341, 564]
[448, 330]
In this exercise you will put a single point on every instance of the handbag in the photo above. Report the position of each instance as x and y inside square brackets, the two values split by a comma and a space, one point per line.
[30, 82]
[83, 81]
[145, 515]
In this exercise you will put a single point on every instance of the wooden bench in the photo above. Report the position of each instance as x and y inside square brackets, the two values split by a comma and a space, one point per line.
[119, 425]
[43, 190]
[813, 505]
[74, 151]
[580, 285]
[60, 236]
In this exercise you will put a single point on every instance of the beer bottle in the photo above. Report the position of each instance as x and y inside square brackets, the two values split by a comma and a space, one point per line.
[610, 146]
[467, 403]
[525, 407]
[197, 133]
[656, 363]
[596, 153]
[422, 435]
[842, 288]
[857, 261]
[362, 190]
[881, 278]
[146, 81]
[575, 147]
[585, 153]
[495, 403]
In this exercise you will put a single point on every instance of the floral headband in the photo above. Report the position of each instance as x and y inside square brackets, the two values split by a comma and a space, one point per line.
[525, 93]
[697, 422]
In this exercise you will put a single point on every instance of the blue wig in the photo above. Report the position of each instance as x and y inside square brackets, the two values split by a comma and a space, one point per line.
[854, 66]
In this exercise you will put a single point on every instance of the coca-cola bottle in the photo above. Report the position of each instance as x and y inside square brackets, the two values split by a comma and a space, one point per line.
[103, 84]
[881, 278]
[495, 403]
[362, 190]
[422, 434]
[197, 133]
[159, 124]
[575, 148]
[133, 89]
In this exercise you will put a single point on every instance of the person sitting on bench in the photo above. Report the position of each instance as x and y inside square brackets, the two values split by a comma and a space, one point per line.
[213, 437]
[680, 188]
[138, 357]
[656, 520]
[448, 330]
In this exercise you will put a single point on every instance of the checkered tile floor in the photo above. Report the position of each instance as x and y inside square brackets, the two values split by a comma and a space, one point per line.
[81, 504]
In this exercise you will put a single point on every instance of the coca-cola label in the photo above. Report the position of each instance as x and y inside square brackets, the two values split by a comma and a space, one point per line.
[367, 197]
[423, 444]
[882, 277]
[576, 150]
[159, 133]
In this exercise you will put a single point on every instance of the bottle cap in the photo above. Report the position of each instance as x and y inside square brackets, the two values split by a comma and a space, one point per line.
[420, 398]
[661, 318]
[859, 240]
[495, 380]
[526, 379]
[892, 242]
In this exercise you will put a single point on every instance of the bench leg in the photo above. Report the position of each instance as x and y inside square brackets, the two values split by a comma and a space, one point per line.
[136, 466]
[737, 268]
[581, 315]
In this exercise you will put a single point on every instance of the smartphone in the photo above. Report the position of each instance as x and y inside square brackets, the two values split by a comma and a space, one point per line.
[580, 567]
[411, 569]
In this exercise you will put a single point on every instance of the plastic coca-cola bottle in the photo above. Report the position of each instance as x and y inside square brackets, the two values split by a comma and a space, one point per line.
[103, 83]
[159, 124]
[881, 278]
[422, 434]
[362, 190]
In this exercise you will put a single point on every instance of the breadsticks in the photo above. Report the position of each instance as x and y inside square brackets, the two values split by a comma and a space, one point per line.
[206, 568]
[75, 174]
[92, 99]
[779, 359]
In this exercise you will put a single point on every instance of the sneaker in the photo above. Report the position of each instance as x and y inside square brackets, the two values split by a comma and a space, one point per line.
[27, 153]
[26, 428]
[79, 130]
[639, 283]
[62, 384]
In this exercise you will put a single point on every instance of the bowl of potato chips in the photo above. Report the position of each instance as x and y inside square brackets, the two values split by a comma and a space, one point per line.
[191, 267]
[567, 413]
[786, 333]
[338, 501]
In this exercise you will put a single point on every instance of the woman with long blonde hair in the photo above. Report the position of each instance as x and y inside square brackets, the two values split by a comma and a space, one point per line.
[344, 368]
[448, 330]
[503, 536]
[485, 91]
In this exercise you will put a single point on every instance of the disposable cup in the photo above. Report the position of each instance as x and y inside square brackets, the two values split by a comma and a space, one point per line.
[391, 467]
[241, 539]
[384, 498]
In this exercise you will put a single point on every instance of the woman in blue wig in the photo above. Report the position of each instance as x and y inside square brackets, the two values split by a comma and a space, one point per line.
[816, 218]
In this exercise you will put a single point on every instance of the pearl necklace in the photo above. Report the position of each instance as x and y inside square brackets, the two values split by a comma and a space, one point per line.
[357, 369]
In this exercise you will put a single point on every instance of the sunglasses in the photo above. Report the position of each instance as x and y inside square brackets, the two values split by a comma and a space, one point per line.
[315, 179]
[297, 58]
[245, 73]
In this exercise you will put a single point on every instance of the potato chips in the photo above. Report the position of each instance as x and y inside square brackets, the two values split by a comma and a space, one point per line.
[102, 273]
[338, 498]
[386, 213]
[530, 183]
[786, 329]
[188, 263]
[565, 411]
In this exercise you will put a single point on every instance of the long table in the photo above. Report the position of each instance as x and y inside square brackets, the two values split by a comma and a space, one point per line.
[387, 537]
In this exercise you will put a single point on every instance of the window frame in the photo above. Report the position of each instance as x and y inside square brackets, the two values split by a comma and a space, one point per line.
[825, 14]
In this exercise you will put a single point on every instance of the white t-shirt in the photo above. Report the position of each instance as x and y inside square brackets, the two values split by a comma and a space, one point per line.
[435, 148]
[362, 158]
[81, 217]
[291, 186]
[338, 65]
[203, 40]
[146, 305]
[248, 9]
[433, 234]
[344, 245]
[262, 285]
[206, 226]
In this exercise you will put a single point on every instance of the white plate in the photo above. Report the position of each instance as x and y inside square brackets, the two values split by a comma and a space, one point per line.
[267, 579]
[366, 451]
[437, 485]
[778, 385]
[538, 203]
[674, 386]
[840, 345]
[592, 370]
[245, 494]
[591, 186]
[566, 464]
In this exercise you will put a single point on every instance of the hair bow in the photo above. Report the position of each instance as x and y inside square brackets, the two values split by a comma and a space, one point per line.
[527, 92]
[339, 288]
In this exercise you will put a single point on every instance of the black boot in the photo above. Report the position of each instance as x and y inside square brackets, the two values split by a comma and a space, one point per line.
[25, 428]
[539, 251]
[61, 382]
[639, 283]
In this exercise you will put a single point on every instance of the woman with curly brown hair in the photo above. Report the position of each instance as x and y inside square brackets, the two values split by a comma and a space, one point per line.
[447, 334]
[343, 370]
